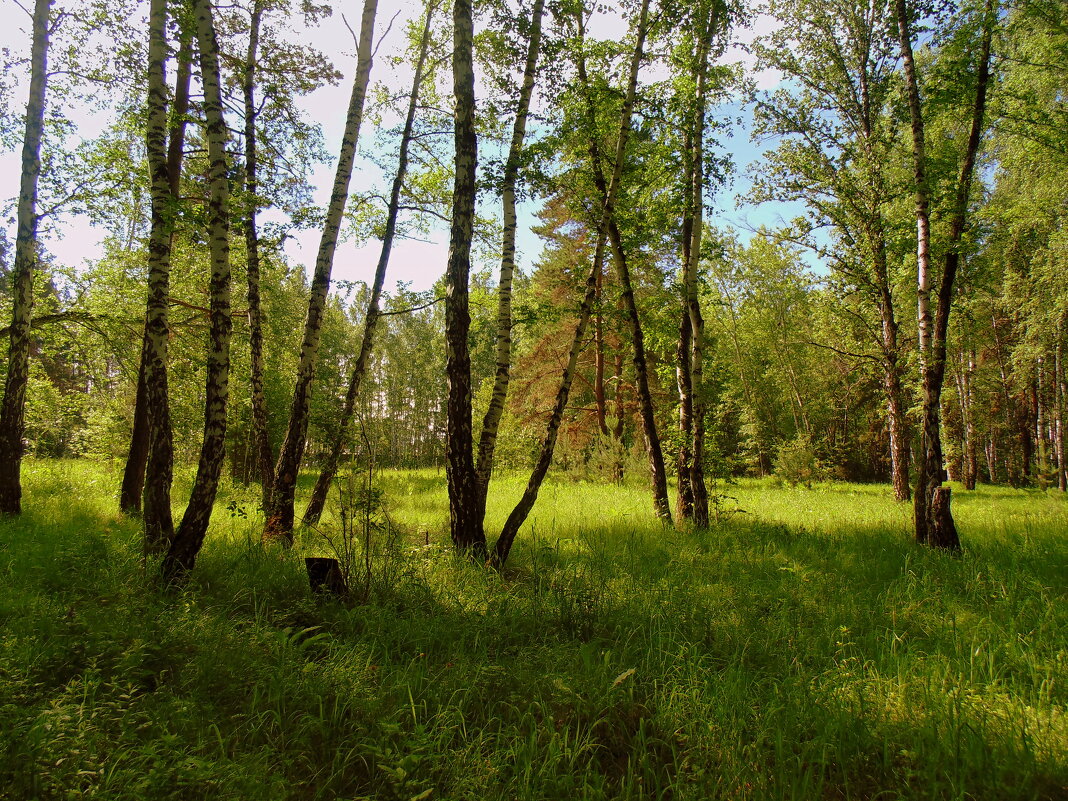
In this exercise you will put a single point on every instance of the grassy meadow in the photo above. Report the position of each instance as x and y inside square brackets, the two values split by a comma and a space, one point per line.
[804, 648]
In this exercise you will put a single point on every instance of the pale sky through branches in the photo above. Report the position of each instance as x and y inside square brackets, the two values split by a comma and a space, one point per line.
[417, 262]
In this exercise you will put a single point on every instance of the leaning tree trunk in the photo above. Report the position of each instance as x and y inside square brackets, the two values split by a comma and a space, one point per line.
[133, 476]
[279, 514]
[189, 537]
[333, 459]
[658, 474]
[522, 509]
[13, 409]
[159, 526]
[465, 522]
[261, 442]
[491, 421]
[934, 520]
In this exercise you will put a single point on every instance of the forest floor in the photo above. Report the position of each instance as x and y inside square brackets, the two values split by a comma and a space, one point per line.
[803, 648]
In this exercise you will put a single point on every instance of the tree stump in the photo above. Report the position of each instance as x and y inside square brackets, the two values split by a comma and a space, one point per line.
[325, 577]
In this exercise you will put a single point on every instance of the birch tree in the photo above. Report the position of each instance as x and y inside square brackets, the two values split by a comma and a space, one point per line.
[374, 311]
[158, 523]
[492, 419]
[522, 509]
[13, 408]
[933, 517]
[279, 514]
[189, 537]
[464, 519]
[133, 477]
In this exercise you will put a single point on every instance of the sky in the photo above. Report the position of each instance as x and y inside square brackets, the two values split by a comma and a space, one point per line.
[419, 263]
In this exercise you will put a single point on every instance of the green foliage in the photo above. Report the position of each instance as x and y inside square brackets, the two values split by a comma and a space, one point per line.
[797, 463]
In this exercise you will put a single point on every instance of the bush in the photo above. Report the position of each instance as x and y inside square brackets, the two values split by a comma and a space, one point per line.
[797, 462]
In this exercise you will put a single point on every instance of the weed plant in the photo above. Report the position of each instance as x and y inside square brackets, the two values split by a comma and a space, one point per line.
[804, 649]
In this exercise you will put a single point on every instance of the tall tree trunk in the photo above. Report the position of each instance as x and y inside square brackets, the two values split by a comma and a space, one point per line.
[1061, 390]
[600, 399]
[261, 441]
[522, 509]
[621, 411]
[684, 380]
[133, 476]
[971, 466]
[158, 523]
[13, 409]
[658, 474]
[465, 521]
[490, 423]
[279, 518]
[333, 459]
[187, 540]
[934, 520]
[691, 260]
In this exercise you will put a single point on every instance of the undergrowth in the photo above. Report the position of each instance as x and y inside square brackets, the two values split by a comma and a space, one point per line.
[805, 649]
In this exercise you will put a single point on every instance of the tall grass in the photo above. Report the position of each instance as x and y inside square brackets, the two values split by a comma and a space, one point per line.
[806, 648]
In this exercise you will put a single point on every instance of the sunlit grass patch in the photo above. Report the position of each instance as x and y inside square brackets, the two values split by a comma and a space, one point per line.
[804, 648]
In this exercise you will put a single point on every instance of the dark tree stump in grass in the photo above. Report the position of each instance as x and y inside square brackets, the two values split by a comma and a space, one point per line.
[325, 577]
[943, 531]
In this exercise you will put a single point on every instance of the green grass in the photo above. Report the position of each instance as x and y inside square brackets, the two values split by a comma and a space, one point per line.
[804, 649]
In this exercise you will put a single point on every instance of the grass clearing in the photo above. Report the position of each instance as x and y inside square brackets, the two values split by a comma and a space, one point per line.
[803, 649]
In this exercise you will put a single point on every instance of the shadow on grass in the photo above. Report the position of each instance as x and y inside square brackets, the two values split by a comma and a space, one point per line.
[613, 659]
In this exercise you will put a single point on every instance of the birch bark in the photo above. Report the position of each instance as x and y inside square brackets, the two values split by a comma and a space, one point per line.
[184, 547]
[492, 419]
[371, 318]
[13, 408]
[279, 514]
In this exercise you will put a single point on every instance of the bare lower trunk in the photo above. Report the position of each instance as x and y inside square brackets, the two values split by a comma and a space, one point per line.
[261, 441]
[465, 521]
[13, 409]
[279, 522]
[492, 419]
[156, 498]
[684, 464]
[1041, 426]
[133, 477]
[189, 537]
[519, 514]
[658, 474]
[371, 318]
[934, 520]
[1061, 391]
[971, 462]
[621, 411]
[899, 433]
